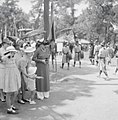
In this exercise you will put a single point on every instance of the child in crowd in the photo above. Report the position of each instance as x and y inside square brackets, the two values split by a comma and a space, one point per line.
[31, 80]
[27, 69]
[12, 82]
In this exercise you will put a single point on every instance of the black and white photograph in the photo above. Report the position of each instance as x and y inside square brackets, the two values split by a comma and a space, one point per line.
[58, 59]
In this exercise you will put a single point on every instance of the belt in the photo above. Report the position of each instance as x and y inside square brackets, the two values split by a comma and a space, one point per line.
[43, 58]
[102, 57]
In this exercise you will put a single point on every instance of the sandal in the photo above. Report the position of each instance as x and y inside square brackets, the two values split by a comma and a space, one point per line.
[11, 112]
[14, 108]
[25, 100]
[21, 101]
[3, 100]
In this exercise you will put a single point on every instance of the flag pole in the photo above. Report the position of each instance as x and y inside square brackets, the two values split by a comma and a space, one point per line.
[52, 33]
[46, 18]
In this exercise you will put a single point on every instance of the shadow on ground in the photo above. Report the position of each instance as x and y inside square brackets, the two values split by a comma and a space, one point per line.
[68, 89]
[73, 71]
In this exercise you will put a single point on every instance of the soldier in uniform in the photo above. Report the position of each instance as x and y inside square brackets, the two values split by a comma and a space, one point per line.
[91, 53]
[66, 55]
[102, 60]
[96, 51]
[77, 51]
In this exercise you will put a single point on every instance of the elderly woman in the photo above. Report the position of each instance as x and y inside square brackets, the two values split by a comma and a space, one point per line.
[41, 57]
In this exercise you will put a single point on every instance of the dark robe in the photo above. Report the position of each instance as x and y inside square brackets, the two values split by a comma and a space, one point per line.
[42, 53]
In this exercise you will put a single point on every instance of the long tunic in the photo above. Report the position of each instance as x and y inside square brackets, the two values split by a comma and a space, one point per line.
[77, 53]
[91, 52]
[65, 58]
[42, 85]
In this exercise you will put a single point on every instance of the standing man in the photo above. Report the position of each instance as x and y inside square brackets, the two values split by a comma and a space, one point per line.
[91, 53]
[102, 60]
[65, 57]
[96, 51]
[110, 51]
[77, 51]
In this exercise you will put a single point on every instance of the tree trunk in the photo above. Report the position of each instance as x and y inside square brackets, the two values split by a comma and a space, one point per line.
[46, 18]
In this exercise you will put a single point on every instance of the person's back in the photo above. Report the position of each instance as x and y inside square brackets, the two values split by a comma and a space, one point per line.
[110, 52]
[77, 48]
[102, 53]
[65, 50]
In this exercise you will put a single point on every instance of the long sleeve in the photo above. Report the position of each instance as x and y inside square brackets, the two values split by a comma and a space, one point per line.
[23, 66]
[35, 56]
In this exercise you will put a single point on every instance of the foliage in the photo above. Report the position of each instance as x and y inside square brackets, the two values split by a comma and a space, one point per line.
[95, 22]
[98, 19]
[37, 13]
[13, 17]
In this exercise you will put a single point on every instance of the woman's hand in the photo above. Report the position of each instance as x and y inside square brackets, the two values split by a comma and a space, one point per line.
[39, 77]
[32, 76]
[43, 61]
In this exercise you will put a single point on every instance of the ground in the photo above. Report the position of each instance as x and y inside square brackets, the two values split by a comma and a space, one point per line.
[76, 94]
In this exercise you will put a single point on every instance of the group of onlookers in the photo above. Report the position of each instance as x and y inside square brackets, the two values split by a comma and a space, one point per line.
[101, 54]
[26, 67]
[23, 68]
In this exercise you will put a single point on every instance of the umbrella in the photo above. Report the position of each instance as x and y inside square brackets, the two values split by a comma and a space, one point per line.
[33, 33]
[13, 38]
[66, 30]
[25, 30]
[63, 31]
[84, 41]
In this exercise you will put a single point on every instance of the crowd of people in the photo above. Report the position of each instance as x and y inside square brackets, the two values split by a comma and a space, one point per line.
[77, 51]
[23, 67]
[101, 54]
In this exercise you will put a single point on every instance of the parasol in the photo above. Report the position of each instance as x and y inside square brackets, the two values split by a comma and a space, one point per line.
[25, 30]
[63, 31]
[33, 33]
[13, 38]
